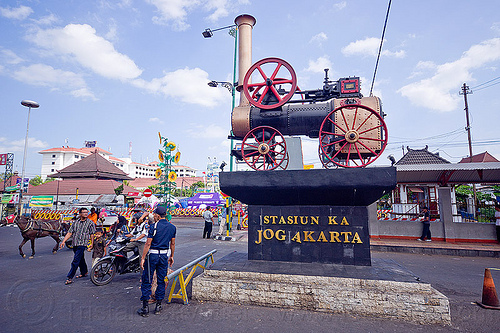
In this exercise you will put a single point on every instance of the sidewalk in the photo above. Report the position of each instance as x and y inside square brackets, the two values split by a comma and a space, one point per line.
[436, 247]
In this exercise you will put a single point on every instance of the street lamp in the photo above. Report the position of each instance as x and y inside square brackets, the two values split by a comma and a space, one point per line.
[29, 105]
[230, 86]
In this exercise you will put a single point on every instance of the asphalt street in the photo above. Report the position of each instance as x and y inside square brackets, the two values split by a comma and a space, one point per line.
[35, 299]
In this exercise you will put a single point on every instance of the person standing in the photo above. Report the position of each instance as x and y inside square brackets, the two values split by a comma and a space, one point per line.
[497, 218]
[222, 223]
[82, 230]
[93, 215]
[138, 236]
[159, 250]
[209, 221]
[98, 250]
[426, 223]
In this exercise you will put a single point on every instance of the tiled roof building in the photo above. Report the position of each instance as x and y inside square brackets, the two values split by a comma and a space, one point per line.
[93, 166]
[421, 156]
[479, 158]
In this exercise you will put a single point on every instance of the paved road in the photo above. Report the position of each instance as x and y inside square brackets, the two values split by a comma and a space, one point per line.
[35, 299]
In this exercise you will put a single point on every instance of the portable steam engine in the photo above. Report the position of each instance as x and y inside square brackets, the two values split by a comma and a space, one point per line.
[351, 129]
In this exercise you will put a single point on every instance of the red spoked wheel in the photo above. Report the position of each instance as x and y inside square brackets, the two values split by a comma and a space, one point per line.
[264, 148]
[352, 136]
[284, 165]
[275, 83]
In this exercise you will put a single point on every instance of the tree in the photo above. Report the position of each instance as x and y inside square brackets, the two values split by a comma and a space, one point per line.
[35, 181]
[119, 189]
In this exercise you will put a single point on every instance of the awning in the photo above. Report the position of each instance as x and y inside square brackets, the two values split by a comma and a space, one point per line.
[41, 201]
[449, 173]
[415, 190]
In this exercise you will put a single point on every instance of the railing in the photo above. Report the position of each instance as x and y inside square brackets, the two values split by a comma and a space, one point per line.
[178, 276]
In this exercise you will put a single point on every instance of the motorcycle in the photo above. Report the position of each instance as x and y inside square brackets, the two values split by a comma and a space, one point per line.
[107, 267]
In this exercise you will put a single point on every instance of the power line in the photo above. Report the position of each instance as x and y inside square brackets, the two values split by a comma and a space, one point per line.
[380, 47]
[482, 84]
[488, 86]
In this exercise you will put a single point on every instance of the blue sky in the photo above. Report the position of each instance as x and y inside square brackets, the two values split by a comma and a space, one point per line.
[120, 71]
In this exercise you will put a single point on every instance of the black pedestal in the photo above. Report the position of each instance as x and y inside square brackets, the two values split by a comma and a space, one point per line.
[309, 215]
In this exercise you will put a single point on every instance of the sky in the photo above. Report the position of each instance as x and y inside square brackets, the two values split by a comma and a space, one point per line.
[120, 71]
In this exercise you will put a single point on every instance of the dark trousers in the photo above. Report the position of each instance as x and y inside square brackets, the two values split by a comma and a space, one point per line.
[158, 263]
[426, 231]
[208, 229]
[78, 262]
[498, 233]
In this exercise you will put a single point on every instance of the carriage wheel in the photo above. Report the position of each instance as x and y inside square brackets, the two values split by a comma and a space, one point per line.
[270, 90]
[352, 136]
[264, 148]
[284, 165]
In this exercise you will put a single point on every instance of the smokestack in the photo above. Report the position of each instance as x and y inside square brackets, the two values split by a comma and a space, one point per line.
[245, 24]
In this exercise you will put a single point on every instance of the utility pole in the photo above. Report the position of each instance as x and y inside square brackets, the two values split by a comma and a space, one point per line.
[465, 91]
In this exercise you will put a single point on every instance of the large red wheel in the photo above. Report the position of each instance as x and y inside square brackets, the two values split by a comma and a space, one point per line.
[352, 136]
[264, 148]
[273, 83]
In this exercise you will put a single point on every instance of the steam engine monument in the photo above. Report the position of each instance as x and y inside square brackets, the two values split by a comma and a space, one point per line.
[308, 237]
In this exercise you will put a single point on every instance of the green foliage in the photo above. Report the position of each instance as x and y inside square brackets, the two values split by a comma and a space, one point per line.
[35, 181]
[463, 191]
[119, 189]
[155, 188]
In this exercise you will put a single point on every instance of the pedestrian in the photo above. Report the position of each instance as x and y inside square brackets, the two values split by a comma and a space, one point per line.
[115, 229]
[159, 251]
[222, 221]
[497, 218]
[138, 236]
[426, 224]
[93, 215]
[98, 250]
[82, 231]
[209, 220]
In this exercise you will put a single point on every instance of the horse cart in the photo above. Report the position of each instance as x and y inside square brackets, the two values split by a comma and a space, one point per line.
[350, 128]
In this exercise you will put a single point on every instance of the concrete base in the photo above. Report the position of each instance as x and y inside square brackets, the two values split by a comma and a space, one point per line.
[384, 290]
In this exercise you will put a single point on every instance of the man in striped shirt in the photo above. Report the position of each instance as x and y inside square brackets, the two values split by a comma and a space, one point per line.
[82, 230]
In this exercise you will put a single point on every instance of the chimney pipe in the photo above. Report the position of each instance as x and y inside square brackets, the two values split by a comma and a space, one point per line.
[245, 25]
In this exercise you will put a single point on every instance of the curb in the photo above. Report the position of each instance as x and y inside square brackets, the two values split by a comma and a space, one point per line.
[436, 251]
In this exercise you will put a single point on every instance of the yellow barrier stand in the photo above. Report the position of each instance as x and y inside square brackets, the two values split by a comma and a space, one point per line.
[178, 275]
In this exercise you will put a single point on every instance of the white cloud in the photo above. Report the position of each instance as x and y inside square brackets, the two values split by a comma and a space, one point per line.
[318, 65]
[188, 85]
[174, 12]
[207, 132]
[369, 47]
[9, 57]
[44, 75]
[340, 5]
[496, 28]
[439, 92]
[319, 38]
[19, 13]
[81, 43]
[156, 120]
[219, 8]
[7, 146]
[47, 20]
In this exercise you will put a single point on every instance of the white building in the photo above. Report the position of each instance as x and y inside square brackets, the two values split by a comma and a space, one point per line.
[54, 159]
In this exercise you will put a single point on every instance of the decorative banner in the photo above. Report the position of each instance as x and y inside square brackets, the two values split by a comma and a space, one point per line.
[166, 175]
[3, 159]
[13, 188]
[42, 201]
[133, 194]
[6, 198]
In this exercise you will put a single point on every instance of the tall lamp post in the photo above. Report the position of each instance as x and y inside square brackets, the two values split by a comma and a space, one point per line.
[29, 105]
[232, 87]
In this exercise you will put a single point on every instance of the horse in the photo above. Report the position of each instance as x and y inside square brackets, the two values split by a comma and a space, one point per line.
[31, 229]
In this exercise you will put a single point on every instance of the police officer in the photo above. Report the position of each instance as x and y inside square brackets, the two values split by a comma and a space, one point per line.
[159, 251]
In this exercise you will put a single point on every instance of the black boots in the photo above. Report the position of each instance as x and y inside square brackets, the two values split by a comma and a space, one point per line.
[158, 307]
[144, 311]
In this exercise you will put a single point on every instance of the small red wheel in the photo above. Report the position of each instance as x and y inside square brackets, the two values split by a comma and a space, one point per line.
[352, 136]
[264, 148]
[270, 90]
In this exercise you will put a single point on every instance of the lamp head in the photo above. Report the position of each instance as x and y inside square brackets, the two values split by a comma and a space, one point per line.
[212, 84]
[207, 33]
[222, 165]
[29, 104]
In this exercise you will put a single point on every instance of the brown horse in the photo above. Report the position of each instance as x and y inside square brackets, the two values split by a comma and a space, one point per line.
[31, 229]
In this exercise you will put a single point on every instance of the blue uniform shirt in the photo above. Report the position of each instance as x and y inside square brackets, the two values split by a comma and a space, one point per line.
[161, 233]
